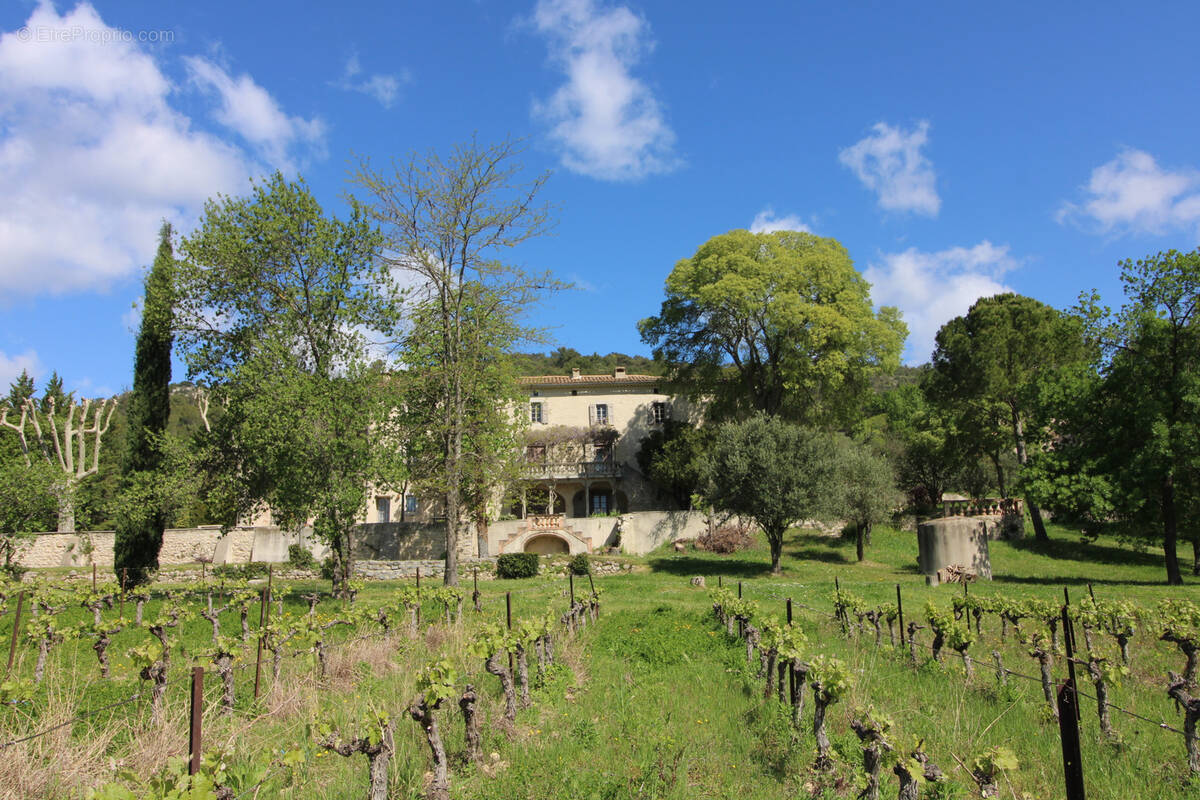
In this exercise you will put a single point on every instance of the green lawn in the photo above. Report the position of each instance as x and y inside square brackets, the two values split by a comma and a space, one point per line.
[654, 700]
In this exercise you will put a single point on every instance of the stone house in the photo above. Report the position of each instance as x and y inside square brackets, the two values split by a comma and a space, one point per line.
[580, 450]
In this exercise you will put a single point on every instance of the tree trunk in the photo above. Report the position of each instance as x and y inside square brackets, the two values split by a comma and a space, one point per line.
[523, 675]
[1097, 677]
[1170, 531]
[772, 655]
[66, 508]
[439, 787]
[1047, 681]
[224, 664]
[995, 458]
[1035, 514]
[775, 539]
[1178, 690]
[800, 671]
[470, 723]
[495, 665]
[859, 543]
[823, 760]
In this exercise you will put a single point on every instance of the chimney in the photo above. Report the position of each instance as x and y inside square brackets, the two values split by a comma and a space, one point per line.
[574, 373]
[619, 372]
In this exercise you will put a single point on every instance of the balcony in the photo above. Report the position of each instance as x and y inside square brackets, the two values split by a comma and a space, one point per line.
[572, 470]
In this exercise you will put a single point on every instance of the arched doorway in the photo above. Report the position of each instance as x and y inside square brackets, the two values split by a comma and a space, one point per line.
[547, 544]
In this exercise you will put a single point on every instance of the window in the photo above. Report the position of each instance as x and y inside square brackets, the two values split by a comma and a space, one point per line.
[410, 504]
[601, 503]
[601, 450]
[535, 412]
[535, 453]
[383, 508]
[658, 413]
[601, 414]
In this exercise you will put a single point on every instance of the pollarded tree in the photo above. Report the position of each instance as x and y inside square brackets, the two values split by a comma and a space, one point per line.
[139, 537]
[447, 223]
[273, 301]
[1001, 353]
[779, 323]
[771, 471]
[65, 435]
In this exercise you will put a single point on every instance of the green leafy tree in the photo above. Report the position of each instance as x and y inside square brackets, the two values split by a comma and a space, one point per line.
[447, 222]
[490, 431]
[27, 505]
[923, 443]
[670, 457]
[999, 355]
[771, 471]
[864, 493]
[779, 323]
[138, 537]
[274, 299]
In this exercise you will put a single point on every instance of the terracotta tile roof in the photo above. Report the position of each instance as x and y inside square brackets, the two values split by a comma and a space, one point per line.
[544, 380]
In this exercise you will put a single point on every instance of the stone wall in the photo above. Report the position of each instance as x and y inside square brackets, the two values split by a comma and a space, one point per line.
[180, 546]
[641, 531]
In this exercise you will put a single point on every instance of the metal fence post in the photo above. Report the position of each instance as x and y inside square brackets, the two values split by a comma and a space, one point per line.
[1068, 727]
[197, 714]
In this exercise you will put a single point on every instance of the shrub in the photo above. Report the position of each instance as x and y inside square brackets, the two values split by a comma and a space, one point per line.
[579, 565]
[327, 568]
[300, 557]
[727, 539]
[517, 565]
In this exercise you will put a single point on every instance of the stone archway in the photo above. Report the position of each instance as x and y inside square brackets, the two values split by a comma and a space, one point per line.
[545, 544]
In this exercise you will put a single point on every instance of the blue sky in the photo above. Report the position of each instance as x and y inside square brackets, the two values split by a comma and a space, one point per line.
[956, 150]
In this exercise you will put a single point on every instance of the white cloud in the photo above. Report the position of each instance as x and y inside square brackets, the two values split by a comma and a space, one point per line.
[933, 288]
[765, 221]
[250, 111]
[606, 123]
[12, 366]
[1133, 194]
[889, 162]
[93, 156]
[384, 88]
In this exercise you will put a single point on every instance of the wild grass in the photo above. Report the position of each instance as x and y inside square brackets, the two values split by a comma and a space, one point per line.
[654, 700]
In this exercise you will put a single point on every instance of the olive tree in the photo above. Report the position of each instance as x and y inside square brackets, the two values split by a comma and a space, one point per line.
[771, 471]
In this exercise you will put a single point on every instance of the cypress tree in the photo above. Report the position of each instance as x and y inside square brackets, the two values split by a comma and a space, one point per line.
[139, 532]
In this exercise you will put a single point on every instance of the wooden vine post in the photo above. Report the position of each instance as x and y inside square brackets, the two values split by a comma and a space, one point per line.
[197, 715]
[12, 647]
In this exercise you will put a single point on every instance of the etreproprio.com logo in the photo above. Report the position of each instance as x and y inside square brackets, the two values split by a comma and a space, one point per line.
[79, 33]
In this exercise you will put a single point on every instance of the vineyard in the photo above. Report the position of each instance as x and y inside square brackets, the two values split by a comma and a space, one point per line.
[662, 692]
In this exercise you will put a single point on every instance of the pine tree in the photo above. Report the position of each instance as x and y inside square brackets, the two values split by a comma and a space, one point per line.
[19, 390]
[139, 532]
[54, 396]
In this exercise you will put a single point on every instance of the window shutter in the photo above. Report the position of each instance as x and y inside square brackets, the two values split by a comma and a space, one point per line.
[591, 415]
[545, 412]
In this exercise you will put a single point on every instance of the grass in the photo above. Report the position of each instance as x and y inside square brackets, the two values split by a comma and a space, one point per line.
[654, 700]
